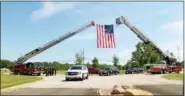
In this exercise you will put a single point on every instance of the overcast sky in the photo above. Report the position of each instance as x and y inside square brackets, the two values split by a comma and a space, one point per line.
[28, 25]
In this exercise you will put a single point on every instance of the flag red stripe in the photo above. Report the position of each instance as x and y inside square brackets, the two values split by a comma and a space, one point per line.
[109, 43]
[97, 35]
[103, 36]
[110, 40]
[101, 30]
[114, 45]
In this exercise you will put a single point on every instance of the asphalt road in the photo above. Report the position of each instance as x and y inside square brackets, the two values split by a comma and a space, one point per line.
[53, 91]
[56, 85]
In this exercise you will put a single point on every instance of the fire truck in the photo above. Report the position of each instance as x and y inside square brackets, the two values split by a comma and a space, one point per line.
[170, 65]
[163, 68]
[20, 67]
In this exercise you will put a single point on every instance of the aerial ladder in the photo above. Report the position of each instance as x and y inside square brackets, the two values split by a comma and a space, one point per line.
[122, 20]
[50, 44]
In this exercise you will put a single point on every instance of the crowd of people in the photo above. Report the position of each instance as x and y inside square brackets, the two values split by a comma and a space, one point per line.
[50, 71]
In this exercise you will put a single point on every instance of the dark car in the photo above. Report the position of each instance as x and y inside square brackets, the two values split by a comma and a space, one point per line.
[109, 71]
[134, 70]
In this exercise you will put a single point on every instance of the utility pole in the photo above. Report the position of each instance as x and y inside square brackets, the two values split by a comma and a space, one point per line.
[178, 53]
[83, 56]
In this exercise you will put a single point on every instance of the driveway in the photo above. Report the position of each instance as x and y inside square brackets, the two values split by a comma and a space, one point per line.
[57, 85]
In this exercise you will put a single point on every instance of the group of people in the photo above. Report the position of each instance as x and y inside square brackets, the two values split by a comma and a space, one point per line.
[50, 71]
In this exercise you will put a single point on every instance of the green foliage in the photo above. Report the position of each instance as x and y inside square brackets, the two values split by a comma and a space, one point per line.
[95, 62]
[119, 67]
[6, 64]
[79, 59]
[144, 54]
[103, 66]
[88, 64]
[115, 60]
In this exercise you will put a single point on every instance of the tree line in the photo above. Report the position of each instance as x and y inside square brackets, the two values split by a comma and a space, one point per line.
[142, 55]
[64, 66]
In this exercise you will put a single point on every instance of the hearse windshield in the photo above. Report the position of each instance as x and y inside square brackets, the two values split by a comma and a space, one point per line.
[76, 68]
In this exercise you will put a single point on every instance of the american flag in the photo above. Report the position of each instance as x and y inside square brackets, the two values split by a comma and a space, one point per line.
[105, 36]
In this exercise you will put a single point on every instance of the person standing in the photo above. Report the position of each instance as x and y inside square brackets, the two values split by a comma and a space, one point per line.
[49, 71]
[55, 71]
[46, 71]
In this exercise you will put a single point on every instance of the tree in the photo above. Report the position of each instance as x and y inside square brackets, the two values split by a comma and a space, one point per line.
[6, 64]
[88, 64]
[119, 67]
[115, 60]
[144, 54]
[95, 62]
[79, 59]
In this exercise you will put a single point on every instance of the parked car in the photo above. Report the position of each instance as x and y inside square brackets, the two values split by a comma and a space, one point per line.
[93, 70]
[109, 71]
[77, 72]
[134, 70]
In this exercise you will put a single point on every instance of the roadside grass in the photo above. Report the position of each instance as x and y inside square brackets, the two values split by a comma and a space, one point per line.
[122, 71]
[173, 76]
[8, 80]
[61, 72]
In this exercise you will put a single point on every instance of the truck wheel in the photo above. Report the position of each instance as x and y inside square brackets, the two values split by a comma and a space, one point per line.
[31, 74]
[108, 74]
[82, 77]
[38, 74]
[161, 72]
[87, 76]
[116, 73]
[177, 72]
[67, 79]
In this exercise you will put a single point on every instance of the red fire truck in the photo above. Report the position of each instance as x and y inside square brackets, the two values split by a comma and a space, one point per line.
[36, 68]
[29, 68]
[171, 64]
[163, 68]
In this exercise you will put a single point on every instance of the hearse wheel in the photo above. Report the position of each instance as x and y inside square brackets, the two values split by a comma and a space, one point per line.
[82, 77]
[87, 76]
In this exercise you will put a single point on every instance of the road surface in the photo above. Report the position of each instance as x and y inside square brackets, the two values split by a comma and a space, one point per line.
[56, 85]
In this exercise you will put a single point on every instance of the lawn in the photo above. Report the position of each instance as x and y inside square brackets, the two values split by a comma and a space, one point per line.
[8, 80]
[62, 72]
[173, 76]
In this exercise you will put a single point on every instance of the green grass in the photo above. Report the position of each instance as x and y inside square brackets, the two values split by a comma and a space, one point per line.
[8, 80]
[173, 76]
[122, 71]
[62, 72]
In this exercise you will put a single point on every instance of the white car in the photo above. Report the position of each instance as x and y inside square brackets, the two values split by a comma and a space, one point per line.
[77, 72]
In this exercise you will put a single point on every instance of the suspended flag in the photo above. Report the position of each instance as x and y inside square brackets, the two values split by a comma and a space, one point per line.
[105, 36]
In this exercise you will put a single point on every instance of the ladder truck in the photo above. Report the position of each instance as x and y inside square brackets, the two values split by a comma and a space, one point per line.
[169, 65]
[35, 68]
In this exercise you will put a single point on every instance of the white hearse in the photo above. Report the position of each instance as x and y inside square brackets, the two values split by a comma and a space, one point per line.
[77, 72]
